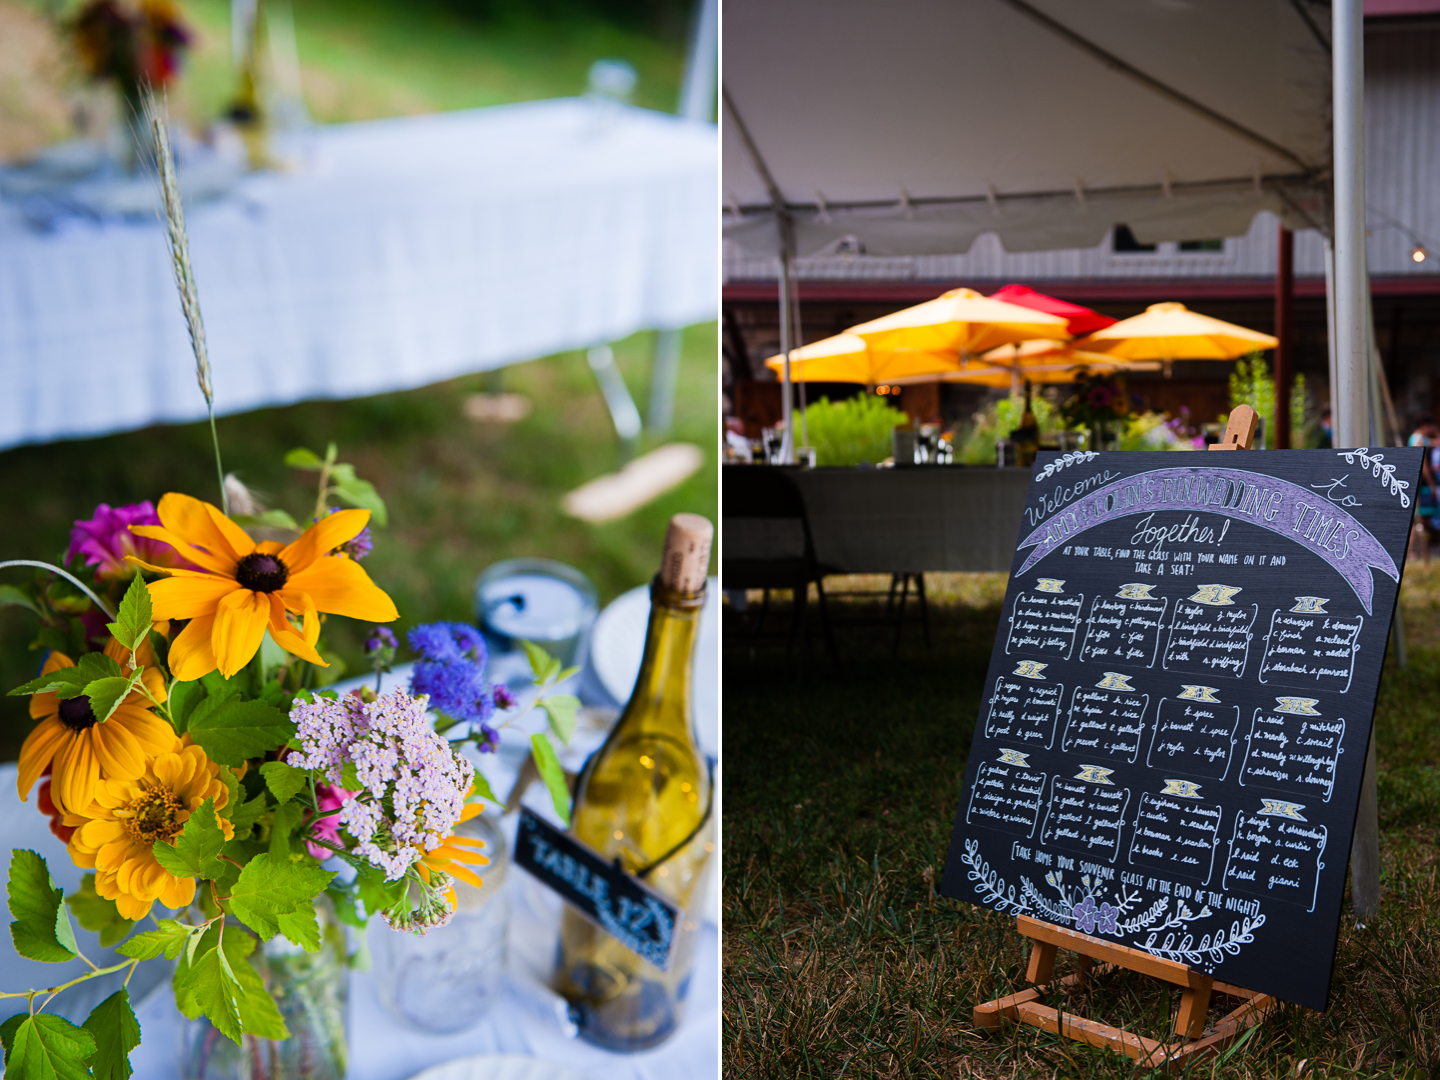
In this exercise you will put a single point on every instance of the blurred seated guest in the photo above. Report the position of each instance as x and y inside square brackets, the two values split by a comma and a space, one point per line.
[1426, 433]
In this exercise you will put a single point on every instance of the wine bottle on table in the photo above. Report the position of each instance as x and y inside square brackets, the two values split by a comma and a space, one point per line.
[644, 800]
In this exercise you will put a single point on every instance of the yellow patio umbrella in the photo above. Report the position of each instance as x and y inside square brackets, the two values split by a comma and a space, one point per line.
[1040, 356]
[1171, 331]
[961, 321]
[847, 358]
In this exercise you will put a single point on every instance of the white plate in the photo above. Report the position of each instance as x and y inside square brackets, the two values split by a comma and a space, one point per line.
[498, 1067]
[617, 645]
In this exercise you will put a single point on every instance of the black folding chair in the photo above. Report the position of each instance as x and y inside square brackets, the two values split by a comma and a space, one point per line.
[767, 545]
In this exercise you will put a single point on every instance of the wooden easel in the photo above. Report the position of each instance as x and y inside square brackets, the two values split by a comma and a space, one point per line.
[1191, 1041]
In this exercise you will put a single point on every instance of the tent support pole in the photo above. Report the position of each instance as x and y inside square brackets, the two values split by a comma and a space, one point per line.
[1284, 360]
[1352, 352]
[787, 417]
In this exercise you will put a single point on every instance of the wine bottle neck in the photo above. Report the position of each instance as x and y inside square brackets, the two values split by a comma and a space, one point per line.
[662, 689]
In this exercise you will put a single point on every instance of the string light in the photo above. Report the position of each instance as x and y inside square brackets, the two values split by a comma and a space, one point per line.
[1418, 254]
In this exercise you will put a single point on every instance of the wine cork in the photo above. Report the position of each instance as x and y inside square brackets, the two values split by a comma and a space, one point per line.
[687, 553]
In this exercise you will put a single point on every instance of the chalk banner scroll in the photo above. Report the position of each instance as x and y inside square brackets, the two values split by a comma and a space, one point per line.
[638, 917]
[1173, 728]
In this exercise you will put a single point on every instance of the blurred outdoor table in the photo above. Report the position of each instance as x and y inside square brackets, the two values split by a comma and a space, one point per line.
[402, 253]
[897, 521]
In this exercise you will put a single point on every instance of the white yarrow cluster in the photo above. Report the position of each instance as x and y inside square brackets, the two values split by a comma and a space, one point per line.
[413, 784]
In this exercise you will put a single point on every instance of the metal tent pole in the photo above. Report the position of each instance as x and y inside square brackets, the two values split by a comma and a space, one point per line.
[787, 417]
[1350, 404]
[1284, 365]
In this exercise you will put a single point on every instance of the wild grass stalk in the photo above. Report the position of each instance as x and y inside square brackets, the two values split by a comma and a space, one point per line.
[173, 212]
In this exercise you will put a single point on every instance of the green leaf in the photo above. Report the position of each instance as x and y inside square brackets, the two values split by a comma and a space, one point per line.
[97, 914]
[552, 774]
[12, 1025]
[301, 458]
[206, 987]
[277, 896]
[284, 781]
[97, 665]
[10, 595]
[220, 984]
[63, 679]
[238, 730]
[244, 816]
[349, 488]
[48, 1047]
[345, 908]
[561, 709]
[232, 787]
[184, 697]
[41, 930]
[287, 817]
[116, 1032]
[194, 853]
[168, 939]
[542, 663]
[106, 694]
[135, 617]
[350, 778]
[270, 519]
[482, 787]
[376, 893]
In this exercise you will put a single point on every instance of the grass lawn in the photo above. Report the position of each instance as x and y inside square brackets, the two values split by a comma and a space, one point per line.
[461, 495]
[842, 960]
[362, 59]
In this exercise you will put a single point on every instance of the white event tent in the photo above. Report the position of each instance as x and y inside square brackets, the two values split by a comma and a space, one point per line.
[915, 125]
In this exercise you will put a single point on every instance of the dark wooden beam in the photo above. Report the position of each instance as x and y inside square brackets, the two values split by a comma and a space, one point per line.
[1284, 352]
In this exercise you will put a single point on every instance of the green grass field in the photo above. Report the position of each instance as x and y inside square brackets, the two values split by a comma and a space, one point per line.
[841, 960]
[362, 59]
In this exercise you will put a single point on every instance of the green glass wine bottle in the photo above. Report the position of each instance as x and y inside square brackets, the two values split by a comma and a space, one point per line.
[644, 799]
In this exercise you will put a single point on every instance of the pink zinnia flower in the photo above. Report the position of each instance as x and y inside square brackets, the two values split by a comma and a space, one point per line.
[105, 539]
[1098, 398]
[328, 828]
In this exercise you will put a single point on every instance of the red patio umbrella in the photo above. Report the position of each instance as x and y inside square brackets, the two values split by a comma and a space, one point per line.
[1082, 320]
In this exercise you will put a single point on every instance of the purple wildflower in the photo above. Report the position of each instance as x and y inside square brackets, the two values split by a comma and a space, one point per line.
[447, 642]
[358, 546]
[502, 696]
[381, 637]
[488, 740]
[413, 785]
[105, 539]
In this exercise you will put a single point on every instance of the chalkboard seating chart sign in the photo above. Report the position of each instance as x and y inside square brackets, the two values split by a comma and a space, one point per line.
[1169, 749]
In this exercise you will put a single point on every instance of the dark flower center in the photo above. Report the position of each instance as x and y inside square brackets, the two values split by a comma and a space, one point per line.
[261, 573]
[76, 714]
[155, 815]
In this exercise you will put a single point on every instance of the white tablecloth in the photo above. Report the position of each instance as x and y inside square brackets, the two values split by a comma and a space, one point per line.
[407, 251]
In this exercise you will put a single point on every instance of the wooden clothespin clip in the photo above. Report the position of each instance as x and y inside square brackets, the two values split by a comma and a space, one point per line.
[1240, 430]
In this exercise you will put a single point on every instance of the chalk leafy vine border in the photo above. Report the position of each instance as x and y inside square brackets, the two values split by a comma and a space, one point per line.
[1073, 457]
[1381, 471]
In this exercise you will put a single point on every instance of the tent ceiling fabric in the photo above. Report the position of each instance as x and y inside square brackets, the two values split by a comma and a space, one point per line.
[916, 125]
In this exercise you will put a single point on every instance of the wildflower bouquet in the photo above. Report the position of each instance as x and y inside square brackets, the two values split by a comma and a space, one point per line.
[188, 755]
[1099, 400]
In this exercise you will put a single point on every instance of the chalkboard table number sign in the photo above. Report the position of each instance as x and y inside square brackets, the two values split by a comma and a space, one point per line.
[1169, 752]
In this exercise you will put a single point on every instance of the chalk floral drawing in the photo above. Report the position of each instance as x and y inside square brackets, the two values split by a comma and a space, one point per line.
[1085, 907]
